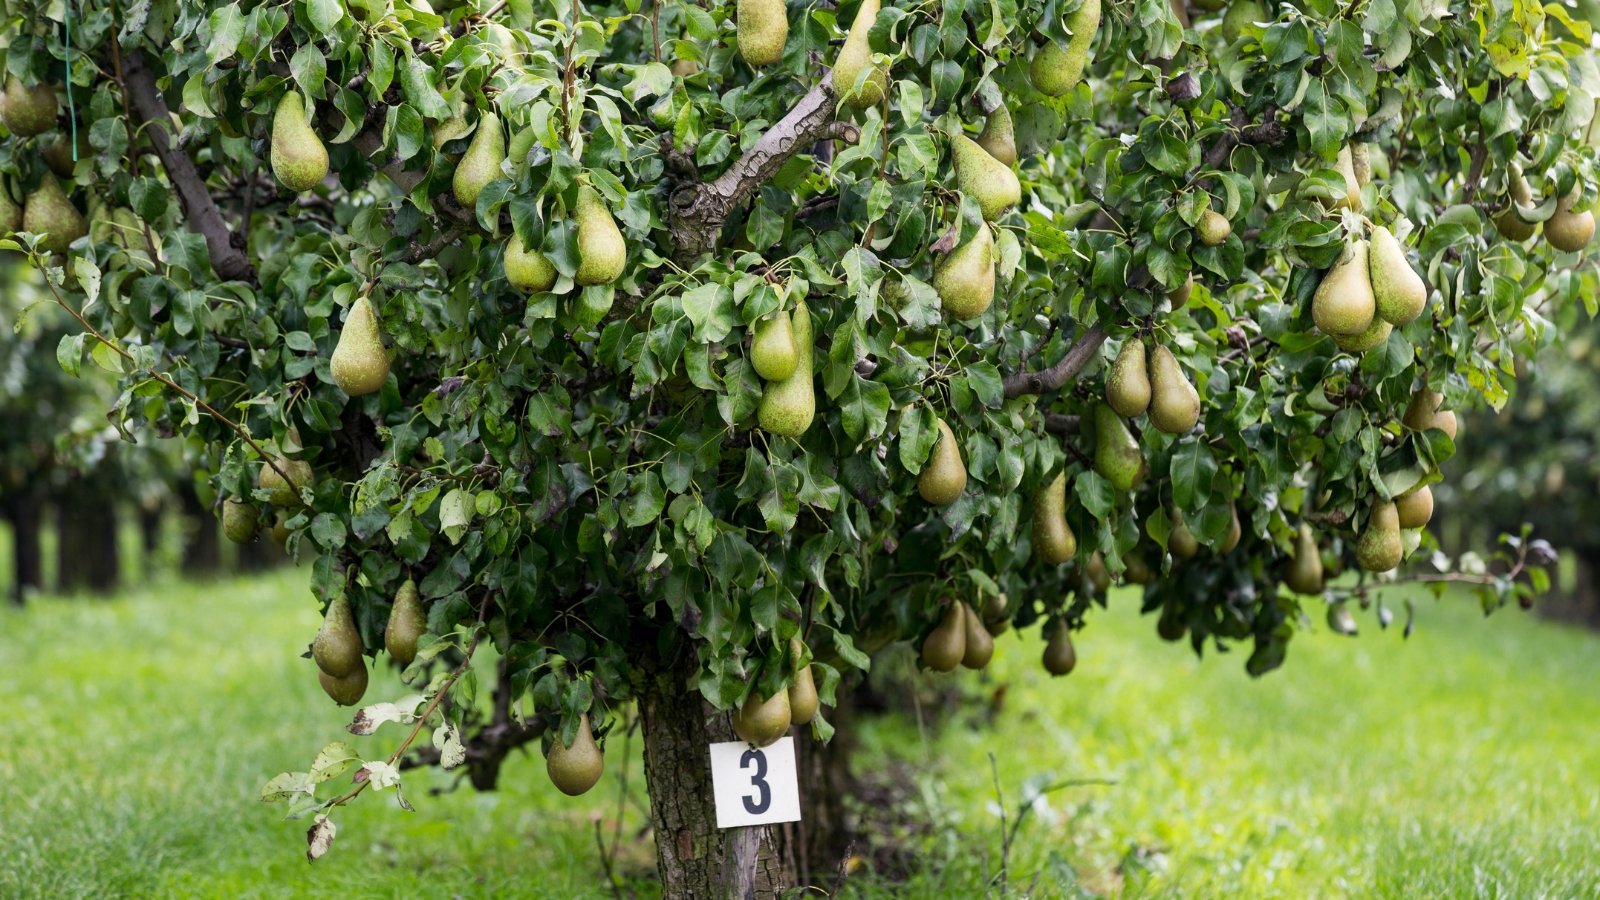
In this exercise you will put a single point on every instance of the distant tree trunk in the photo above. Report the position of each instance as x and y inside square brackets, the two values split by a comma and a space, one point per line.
[87, 557]
[150, 519]
[25, 513]
[259, 554]
[202, 554]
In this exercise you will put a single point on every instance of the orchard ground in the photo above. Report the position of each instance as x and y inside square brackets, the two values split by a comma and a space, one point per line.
[1460, 762]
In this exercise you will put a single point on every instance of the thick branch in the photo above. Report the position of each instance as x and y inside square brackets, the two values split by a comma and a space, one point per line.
[199, 210]
[1062, 372]
[1270, 133]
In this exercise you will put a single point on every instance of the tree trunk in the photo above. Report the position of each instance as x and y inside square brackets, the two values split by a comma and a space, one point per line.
[87, 556]
[202, 554]
[24, 512]
[696, 860]
[822, 839]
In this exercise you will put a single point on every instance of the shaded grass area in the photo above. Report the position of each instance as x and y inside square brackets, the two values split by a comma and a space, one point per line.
[1459, 763]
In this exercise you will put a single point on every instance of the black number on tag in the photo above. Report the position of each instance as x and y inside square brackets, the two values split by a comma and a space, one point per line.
[758, 781]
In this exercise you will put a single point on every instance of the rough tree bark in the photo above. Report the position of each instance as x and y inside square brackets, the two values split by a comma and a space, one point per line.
[25, 513]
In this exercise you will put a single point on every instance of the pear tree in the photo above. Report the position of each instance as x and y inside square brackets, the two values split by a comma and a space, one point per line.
[681, 357]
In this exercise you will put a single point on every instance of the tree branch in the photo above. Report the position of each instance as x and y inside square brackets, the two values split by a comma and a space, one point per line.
[1053, 378]
[199, 210]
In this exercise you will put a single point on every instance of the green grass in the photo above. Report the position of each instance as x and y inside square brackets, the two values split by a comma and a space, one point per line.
[1459, 763]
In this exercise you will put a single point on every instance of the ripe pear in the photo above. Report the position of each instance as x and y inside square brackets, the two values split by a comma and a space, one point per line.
[299, 159]
[1213, 228]
[1053, 540]
[763, 28]
[1303, 574]
[979, 642]
[984, 178]
[1179, 297]
[280, 531]
[944, 476]
[481, 163]
[48, 211]
[337, 647]
[1415, 508]
[964, 279]
[1170, 625]
[995, 620]
[788, 406]
[1398, 291]
[240, 521]
[58, 153]
[407, 624]
[761, 722]
[346, 691]
[774, 354]
[1375, 336]
[998, 138]
[1343, 303]
[1136, 570]
[1566, 230]
[1098, 575]
[1360, 163]
[1116, 454]
[1345, 166]
[1423, 413]
[1128, 383]
[855, 56]
[803, 699]
[529, 271]
[1059, 656]
[1181, 541]
[1378, 548]
[10, 211]
[1508, 222]
[1174, 403]
[602, 252]
[1235, 530]
[28, 111]
[576, 769]
[946, 645]
[1055, 69]
[285, 493]
[360, 363]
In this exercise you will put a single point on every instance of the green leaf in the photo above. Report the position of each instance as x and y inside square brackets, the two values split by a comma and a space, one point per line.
[227, 28]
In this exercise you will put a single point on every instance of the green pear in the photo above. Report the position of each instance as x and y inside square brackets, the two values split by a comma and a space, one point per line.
[602, 252]
[1566, 230]
[337, 648]
[1416, 508]
[48, 211]
[407, 624]
[978, 646]
[761, 722]
[481, 163]
[1375, 336]
[984, 178]
[774, 353]
[1341, 620]
[856, 56]
[1059, 656]
[529, 271]
[1509, 223]
[360, 363]
[763, 28]
[285, 493]
[1098, 576]
[1346, 167]
[1179, 297]
[299, 160]
[1055, 69]
[10, 211]
[1235, 531]
[1213, 228]
[1423, 413]
[998, 139]
[1053, 540]
[803, 699]
[944, 477]
[1303, 574]
[964, 279]
[1181, 541]
[1136, 570]
[946, 645]
[1128, 383]
[28, 111]
[575, 769]
[1117, 456]
[240, 521]
[59, 152]
[346, 691]
[1378, 548]
[1174, 403]
[1360, 163]
[788, 406]
[1343, 303]
[1398, 291]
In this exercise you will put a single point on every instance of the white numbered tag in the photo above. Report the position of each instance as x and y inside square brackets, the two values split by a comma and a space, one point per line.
[755, 785]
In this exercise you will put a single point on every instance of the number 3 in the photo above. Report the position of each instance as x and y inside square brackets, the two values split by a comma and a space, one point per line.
[758, 781]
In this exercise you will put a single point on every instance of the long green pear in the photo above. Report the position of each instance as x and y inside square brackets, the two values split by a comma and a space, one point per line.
[1398, 292]
[346, 691]
[1182, 541]
[48, 211]
[1174, 403]
[1375, 336]
[788, 406]
[774, 353]
[762, 721]
[28, 111]
[1346, 167]
[978, 643]
[407, 624]
[984, 178]
[285, 494]
[10, 211]
[1378, 548]
[529, 271]
[1116, 454]
[856, 55]
[1053, 540]
[803, 699]
[1415, 508]
[1128, 383]
[481, 163]
[575, 769]
[299, 159]
[58, 153]
[1343, 303]
[964, 279]
[1303, 574]
[944, 477]
[998, 137]
[360, 363]
[1566, 230]
[1055, 69]
[1235, 531]
[763, 28]
[602, 253]
[946, 645]
[1059, 656]
[240, 521]
[1179, 296]
[337, 648]
[1361, 162]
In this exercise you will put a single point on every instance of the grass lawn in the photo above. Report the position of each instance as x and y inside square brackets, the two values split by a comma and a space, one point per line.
[1462, 762]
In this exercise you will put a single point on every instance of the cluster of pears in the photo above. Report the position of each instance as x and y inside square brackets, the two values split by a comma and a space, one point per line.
[960, 639]
[762, 720]
[944, 476]
[360, 362]
[781, 353]
[29, 111]
[1565, 230]
[299, 158]
[1158, 387]
[965, 278]
[1369, 291]
[1184, 545]
[338, 651]
[1055, 69]
[1380, 546]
